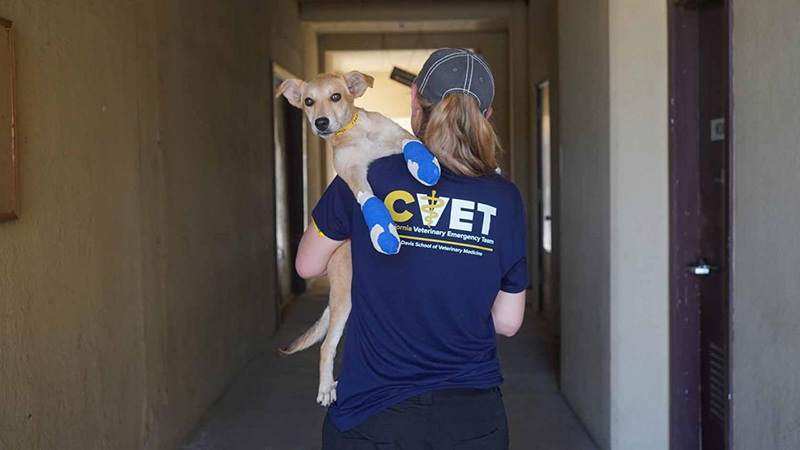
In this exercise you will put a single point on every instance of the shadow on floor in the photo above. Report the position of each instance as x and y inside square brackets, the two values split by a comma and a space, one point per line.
[271, 404]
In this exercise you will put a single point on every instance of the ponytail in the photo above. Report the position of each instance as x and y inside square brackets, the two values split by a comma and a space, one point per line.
[458, 134]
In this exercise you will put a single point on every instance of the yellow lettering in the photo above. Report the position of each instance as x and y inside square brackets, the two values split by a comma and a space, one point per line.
[434, 203]
[392, 198]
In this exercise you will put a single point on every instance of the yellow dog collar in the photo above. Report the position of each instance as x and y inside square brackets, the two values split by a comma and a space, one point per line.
[348, 126]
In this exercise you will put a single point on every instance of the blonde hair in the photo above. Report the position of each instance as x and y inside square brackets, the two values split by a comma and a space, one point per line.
[456, 132]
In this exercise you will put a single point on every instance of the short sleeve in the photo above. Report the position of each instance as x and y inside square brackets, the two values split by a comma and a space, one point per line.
[514, 260]
[333, 215]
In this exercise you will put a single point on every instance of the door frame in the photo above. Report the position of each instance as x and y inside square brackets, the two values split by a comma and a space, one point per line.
[684, 320]
[551, 311]
[279, 73]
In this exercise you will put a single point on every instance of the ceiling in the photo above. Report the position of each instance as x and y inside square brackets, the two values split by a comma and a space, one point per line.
[375, 61]
[400, 1]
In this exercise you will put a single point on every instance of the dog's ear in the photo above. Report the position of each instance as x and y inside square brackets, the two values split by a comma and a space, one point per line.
[292, 89]
[357, 82]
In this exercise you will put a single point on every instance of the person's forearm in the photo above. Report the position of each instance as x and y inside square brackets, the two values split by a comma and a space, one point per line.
[508, 312]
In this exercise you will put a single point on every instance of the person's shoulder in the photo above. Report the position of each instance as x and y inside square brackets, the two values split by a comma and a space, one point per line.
[389, 173]
[388, 168]
[338, 190]
[391, 163]
[338, 183]
[503, 185]
[503, 192]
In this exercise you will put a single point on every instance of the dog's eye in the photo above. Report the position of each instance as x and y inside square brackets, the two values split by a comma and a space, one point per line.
[336, 97]
[309, 101]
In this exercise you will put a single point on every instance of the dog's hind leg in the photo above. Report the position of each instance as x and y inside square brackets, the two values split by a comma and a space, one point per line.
[327, 387]
[340, 273]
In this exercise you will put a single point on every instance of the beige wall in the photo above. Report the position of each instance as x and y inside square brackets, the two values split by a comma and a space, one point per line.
[140, 277]
[766, 228]
[585, 200]
[614, 203]
[521, 114]
[639, 240]
[543, 60]
[316, 169]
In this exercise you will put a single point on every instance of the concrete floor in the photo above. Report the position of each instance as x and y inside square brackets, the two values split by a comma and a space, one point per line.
[271, 404]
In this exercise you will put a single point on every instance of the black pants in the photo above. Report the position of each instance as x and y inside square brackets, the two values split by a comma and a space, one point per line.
[462, 419]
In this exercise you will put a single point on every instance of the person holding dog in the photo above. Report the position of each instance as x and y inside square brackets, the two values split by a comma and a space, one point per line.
[420, 367]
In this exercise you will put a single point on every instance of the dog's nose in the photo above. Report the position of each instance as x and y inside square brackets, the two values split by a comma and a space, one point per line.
[322, 123]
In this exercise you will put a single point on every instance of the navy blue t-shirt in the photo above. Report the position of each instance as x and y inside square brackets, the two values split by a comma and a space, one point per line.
[421, 319]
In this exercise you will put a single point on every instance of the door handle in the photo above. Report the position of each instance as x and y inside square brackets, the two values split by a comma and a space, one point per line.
[702, 269]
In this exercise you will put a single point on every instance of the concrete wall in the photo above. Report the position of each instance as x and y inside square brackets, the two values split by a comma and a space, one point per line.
[614, 218]
[585, 200]
[766, 260]
[639, 225]
[140, 277]
[543, 60]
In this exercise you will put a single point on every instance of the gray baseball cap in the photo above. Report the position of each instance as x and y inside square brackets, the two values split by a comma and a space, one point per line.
[456, 70]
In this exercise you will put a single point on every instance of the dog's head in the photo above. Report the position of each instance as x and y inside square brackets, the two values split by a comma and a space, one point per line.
[327, 99]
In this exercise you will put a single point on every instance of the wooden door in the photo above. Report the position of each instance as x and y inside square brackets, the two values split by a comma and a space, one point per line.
[700, 173]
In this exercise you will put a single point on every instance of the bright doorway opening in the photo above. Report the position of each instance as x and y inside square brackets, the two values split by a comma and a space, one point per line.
[388, 97]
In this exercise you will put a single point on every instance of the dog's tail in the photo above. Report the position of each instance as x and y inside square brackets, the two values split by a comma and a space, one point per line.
[311, 336]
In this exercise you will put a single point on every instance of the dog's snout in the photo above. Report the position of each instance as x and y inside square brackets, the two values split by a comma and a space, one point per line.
[322, 123]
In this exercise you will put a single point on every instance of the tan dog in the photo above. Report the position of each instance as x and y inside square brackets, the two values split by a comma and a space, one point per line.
[358, 137]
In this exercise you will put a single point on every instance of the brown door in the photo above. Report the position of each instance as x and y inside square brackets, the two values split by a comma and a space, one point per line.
[700, 238]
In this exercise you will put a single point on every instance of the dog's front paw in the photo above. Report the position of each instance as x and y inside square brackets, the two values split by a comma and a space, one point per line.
[421, 163]
[382, 229]
[327, 393]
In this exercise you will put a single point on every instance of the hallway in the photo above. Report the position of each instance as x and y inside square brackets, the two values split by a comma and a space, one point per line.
[270, 405]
